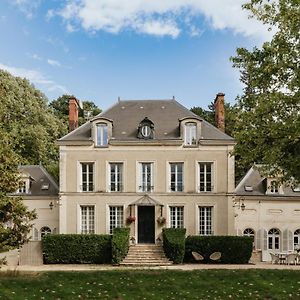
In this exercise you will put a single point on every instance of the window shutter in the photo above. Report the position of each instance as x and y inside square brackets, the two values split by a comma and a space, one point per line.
[54, 231]
[265, 235]
[285, 236]
[290, 240]
[35, 234]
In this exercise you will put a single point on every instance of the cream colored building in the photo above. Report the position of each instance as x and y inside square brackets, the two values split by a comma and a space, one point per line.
[147, 165]
[269, 212]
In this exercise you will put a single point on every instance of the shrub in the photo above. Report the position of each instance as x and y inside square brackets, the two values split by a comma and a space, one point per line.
[76, 249]
[120, 244]
[234, 249]
[174, 243]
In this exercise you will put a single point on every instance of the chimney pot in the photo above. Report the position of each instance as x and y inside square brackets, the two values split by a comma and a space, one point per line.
[73, 113]
[220, 111]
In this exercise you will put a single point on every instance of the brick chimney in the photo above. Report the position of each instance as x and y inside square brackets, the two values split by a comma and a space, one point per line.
[73, 113]
[219, 111]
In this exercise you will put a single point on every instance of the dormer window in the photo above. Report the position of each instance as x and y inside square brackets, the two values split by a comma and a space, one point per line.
[101, 134]
[22, 187]
[274, 187]
[146, 129]
[190, 134]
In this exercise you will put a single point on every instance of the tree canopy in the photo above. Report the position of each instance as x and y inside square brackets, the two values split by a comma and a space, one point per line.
[268, 119]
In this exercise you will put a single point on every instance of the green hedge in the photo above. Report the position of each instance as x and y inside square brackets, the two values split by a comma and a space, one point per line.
[174, 243]
[76, 249]
[120, 244]
[234, 249]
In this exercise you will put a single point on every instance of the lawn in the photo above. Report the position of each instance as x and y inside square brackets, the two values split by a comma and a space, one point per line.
[152, 284]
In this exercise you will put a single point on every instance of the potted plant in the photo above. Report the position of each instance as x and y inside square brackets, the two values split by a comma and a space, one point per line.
[130, 219]
[161, 220]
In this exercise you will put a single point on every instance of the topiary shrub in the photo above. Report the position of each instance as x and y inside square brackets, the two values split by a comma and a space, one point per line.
[234, 249]
[120, 244]
[76, 249]
[174, 244]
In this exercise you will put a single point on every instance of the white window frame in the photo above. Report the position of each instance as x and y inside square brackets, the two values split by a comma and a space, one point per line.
[118, 164]
[190, 134]
[206, 219]
[198, 187]
[91, 215]
[140, 177]
[274, 187]
[100, 139]
[273, 237]
[176, 177]
[121, 222]
[178, 221]
[45, 230]
[296, 235]
[81, 175]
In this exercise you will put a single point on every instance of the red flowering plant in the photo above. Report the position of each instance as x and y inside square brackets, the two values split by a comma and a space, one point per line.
[130, 219]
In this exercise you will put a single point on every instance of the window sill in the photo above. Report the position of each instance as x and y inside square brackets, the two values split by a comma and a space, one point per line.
[104, 146]
[190, 146]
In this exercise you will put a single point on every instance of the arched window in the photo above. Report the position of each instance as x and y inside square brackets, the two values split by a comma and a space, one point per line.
[297, 238]
[249, 232]
[45, 230]
[274, 239]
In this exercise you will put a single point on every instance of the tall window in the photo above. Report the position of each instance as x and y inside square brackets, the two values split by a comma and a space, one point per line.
[176, 180]
[176, 216]
[274, 187]
[101, 135]
[116, 177]
[297, 237]
[115, 217]
[146, 177]
[190, 134]
[205, 220]
[205, 177]
[87, 219]
[273, 239]
[87, 177]
[22, 187]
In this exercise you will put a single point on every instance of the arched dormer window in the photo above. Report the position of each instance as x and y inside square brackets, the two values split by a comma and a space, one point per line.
[146, 129]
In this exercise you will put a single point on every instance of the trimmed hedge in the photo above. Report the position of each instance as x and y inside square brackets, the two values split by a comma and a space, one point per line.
[234, 249]
[76, 249]
[174, 244]
[120, 244]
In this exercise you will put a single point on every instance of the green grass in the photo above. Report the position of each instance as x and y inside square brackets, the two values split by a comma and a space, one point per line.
[152, 284]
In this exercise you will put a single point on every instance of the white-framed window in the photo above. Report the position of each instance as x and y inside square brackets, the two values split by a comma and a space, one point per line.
[44, 231]
[101, 134]
[116, 217]
[190, 133]
[146, 177]
[176, 177]
[274, 239]
[274, 187]
[297, 238]
[205, 220]
[146, 131]
[87, 177]
[22, 187]
[205, 177]
[176, 216]
[249, 232]
[87, 218]
[116, 177]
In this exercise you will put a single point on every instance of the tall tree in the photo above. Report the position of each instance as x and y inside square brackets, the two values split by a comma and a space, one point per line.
[268, 120]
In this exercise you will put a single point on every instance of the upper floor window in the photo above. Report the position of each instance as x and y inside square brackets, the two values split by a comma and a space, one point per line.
[205, 220]
[101, 134]
[176, 177]
[22, 187]
[176, 216]
[87, 219]
[87, 177]
[146, 177]
[116, 177]
[190, 134]
[205, 177]
[274, 187]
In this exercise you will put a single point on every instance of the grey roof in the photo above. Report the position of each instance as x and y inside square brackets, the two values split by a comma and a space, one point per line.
[257, 185]
[165, 114]
[39, 177]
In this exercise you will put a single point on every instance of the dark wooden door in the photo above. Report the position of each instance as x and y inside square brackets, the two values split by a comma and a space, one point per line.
[146, 224]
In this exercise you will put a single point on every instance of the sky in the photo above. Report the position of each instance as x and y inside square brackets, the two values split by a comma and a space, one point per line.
[100, 50]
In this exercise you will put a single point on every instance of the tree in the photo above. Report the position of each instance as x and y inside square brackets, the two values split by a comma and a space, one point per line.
[268, 120]
[15, 219]
[29, 122]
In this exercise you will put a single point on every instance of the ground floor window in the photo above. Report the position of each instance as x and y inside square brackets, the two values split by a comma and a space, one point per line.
[274, 239]
[87, 219]
[45, 230]
[176, 216]
[115, 217]
[205, 220]
[297, 238]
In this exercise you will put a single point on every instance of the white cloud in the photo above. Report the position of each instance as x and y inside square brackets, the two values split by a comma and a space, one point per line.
[35, 77]
[161, 18]
[35, 56]
[28, 7]
[53, 63]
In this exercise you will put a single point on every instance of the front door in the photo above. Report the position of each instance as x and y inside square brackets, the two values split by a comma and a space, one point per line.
[146, 224]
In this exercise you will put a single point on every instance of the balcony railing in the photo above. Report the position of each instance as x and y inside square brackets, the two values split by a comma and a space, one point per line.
[116, 187]
[146, 188]
[87, 187]
[176, 188]
[205, 188]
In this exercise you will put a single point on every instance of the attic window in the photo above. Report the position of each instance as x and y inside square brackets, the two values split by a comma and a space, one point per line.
[45, 187]
[145, 129]
[274, 187]
[248, 188]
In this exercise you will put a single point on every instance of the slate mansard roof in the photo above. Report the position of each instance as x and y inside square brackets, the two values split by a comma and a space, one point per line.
[165, 114]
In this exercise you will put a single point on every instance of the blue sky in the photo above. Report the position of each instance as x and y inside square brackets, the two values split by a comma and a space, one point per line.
[100, 50]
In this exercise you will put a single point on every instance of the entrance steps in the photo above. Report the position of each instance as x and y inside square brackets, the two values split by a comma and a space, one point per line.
[146, 255]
